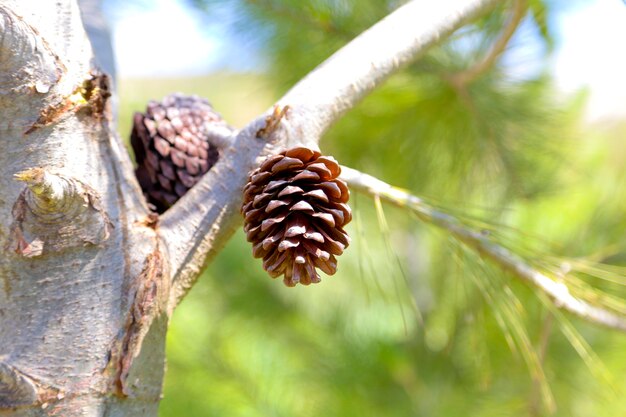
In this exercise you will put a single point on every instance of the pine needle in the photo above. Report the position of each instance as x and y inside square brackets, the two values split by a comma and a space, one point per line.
[479, 281]
[512, 311]
[384, 228]
[359, 247]
[580, 345]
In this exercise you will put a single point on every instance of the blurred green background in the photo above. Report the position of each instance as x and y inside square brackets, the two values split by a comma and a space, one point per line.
[413, 323]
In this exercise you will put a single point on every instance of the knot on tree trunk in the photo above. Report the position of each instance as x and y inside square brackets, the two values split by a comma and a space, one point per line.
[55, 212]
[16, 389]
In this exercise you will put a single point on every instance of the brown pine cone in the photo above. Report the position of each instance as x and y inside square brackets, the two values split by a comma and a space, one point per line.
[295, 209]
[173, 147]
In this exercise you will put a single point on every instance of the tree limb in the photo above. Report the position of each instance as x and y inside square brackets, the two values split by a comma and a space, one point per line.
[202, 221]
[485, 247]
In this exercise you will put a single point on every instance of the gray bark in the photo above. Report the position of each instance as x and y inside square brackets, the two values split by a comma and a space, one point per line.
[88, 278]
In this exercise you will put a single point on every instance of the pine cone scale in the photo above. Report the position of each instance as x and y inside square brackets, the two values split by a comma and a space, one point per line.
[321, 169]
[167, 170]
[274, 204]
[150, 125]
[269, 163]
[306, 175]
[162, 146]
[285, 164]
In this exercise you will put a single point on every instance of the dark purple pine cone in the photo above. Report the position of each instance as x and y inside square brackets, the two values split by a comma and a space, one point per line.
[173, 146]
[295, 208]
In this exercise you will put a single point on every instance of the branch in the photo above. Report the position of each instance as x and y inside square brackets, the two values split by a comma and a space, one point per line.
[485, 247]
[470, 74]
[202, 221]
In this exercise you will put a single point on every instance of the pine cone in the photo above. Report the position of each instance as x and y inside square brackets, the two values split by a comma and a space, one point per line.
[173, 149]
[295, 209]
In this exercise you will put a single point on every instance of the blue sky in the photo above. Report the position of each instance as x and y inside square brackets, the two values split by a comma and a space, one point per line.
[591, 53]
[160, 38]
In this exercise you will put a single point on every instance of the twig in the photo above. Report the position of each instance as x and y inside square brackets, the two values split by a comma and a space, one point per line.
[202, 221]
[479, 68]
[485, 247]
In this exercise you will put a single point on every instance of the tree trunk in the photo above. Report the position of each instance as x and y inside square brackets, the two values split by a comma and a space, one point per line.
[89, 277]
[82, 273]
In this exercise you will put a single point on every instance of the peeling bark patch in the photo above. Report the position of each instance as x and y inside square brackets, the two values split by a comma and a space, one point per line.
[16, 389]
[91, 96]
[272, 122]
[149, 298]
[151, 221]
[54, 213]
[96, 91]
[51, 114]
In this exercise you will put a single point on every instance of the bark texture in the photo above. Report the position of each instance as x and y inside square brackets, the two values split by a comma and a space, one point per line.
[88, 277]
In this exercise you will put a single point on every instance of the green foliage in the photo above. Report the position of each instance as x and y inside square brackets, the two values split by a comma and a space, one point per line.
[414, 323]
